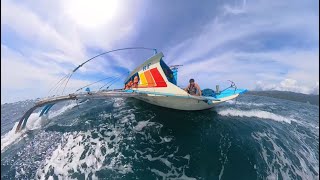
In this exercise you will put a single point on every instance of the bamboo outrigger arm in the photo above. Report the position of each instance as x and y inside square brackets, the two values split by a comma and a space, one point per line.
[49, 102]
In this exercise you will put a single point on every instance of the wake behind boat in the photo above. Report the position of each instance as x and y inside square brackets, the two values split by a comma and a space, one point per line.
[153, 82]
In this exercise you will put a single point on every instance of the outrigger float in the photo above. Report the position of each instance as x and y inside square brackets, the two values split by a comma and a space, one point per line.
[153, 82]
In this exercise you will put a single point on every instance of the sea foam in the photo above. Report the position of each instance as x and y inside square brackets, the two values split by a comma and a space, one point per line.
[255, 113]
[34, 122]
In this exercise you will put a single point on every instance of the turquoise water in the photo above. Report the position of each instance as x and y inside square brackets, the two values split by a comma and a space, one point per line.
[254, 137]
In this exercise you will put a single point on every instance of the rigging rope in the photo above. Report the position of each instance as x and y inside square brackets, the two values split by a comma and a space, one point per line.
[112, 81]
[79, 66]
[66, 83]
[56, 85]
[112, 51]
[62, 82]
[93, 83]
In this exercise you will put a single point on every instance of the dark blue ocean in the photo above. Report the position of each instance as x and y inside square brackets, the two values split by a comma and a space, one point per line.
[255, 137]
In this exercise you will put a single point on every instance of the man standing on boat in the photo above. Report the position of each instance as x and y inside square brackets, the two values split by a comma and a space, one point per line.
[193, 88]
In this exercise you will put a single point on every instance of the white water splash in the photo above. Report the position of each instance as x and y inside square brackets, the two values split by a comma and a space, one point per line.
[84, 154]
[143, 124]
[34, 122]
[224, 146]
[278, 160]
[249, 103]
[90, 151]
[11, 137]
[166, 139]
[255, 113]
[118, 102]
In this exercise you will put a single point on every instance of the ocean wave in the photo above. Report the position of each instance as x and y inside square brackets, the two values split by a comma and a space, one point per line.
[118, 102]
[81, 153]
[105, 150]
[249, 103]
[128, 142]
[224, 146]
[143, 124]
[278, 157]
[34, 122]
[255, 113]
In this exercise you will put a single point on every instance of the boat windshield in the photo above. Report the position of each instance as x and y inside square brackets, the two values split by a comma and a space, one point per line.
[167, 71]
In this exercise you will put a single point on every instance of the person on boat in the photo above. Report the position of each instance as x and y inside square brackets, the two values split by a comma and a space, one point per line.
[129, 85]
[193, 88]
[135, 82]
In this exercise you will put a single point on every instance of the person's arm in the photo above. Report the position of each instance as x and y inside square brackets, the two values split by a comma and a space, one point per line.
[186, 89]
[199, 90]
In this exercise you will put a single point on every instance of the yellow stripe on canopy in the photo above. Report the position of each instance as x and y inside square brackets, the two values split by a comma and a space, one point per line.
[143, 80]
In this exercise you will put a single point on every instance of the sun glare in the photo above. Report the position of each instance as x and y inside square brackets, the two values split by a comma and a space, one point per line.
[93, 13]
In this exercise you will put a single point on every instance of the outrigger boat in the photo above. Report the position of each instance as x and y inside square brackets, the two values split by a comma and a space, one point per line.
[153, 82]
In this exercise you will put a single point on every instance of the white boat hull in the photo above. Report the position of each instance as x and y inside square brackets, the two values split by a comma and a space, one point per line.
[186, 104]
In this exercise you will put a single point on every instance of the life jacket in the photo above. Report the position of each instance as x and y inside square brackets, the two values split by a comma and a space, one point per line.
[192, 90]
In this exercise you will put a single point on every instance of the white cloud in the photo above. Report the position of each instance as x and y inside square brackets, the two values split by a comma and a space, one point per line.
[288, 85]
[30, 27]
[231, 46]
[233, 66]
[52, 41]
[61, 35]
[224, 29]
[22, 80]
[236, 9]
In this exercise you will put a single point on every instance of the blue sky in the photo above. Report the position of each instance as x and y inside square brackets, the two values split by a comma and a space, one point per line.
[259, 44]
